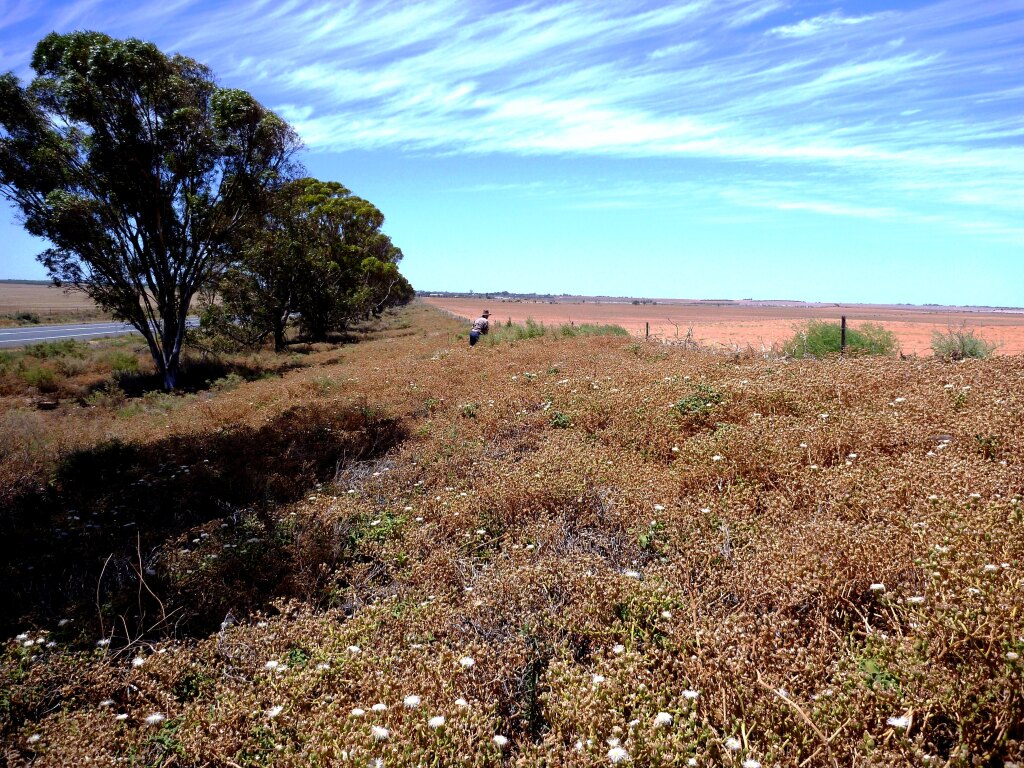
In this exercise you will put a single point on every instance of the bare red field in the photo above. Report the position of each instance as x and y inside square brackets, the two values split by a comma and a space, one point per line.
[731, 324]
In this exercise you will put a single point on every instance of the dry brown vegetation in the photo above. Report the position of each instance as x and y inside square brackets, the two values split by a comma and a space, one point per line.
[596, 549]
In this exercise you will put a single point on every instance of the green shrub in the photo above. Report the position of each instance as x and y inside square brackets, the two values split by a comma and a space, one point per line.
[29, 318]
[531, 329]
[818, 339]
[593, 329]
[122, 362]
[960, 344]
[704, 399]
[560, 420]
[52, 349]
[42, 378]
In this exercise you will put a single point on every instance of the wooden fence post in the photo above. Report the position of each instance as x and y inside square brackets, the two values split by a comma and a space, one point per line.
[647, 331]
[842, 337]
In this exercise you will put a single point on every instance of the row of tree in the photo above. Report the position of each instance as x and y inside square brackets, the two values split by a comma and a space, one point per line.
[153, 184]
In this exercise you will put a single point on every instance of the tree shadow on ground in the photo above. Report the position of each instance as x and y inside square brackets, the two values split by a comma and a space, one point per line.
[86, 545]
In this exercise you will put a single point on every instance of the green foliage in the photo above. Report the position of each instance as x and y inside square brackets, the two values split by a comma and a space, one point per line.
[56, 349]
[560, 420]
[42, 378]
[139, 170]
[531, 329]
[960, 344]
[593, 329]
[703, 399]
[989, 446]
[317, 253]
[818, 339]
[122, 362]
[29, 318]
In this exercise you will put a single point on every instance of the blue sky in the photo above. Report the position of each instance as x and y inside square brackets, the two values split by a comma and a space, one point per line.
[867, 151]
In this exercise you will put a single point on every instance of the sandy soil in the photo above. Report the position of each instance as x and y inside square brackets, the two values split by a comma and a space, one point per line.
[757, 326]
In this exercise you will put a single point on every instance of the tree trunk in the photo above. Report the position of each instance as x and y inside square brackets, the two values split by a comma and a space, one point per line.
[278, 335]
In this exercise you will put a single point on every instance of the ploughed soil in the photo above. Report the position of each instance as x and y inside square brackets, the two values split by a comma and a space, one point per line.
[730, 324]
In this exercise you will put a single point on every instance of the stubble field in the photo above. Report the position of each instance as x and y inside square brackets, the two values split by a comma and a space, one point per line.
[47, 303]
[557, 551]
[730, 325]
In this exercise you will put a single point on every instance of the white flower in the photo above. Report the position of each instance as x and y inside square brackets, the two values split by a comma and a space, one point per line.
[618, 649]
[138, 661]
[1012, 656]
[323, 665]
[272, 665]
[915, 599]
[500, 740]
[357, 712]
[597, 679]
[107, 703]
[380, 733]
[377, 762]
[34, 738]
[467, 661]
[412, 701]
[902, 722]
[662, 720]
[156, 718]
[21, 637]
[732, 744]
[274, 711]
[121, 716]
[379, 707]
[618, 755]
[436, 722]
[878, 587]
[691, 761]
[990, 568]
[659, 508]
[461, 702]
[103, 643]
[631, 574]
[751, 763]
[666, 614]
[803, 445]
[716, 457]
[354, 649]
[690, 694]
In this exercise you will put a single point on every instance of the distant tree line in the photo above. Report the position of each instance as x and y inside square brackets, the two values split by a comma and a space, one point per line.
[154, 184]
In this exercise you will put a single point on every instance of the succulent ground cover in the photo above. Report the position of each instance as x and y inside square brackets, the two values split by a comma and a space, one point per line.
[553, 551]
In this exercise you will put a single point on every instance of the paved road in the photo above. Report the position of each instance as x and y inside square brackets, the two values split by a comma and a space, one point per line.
[37, 334]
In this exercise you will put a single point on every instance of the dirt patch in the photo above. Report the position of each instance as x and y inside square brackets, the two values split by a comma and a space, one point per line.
[730, 324]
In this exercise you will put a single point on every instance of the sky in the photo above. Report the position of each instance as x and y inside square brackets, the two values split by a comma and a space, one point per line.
[852, 152]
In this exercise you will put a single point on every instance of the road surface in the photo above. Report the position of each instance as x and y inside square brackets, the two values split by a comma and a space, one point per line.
[38, 334]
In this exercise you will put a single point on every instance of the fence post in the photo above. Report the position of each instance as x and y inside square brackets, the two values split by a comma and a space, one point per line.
[842, 336]
[647, 331]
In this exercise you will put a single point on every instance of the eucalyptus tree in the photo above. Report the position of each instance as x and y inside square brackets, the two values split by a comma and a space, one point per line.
[140, 170]
[316, 251]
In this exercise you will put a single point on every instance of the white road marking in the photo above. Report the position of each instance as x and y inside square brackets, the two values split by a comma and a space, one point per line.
[71, 335]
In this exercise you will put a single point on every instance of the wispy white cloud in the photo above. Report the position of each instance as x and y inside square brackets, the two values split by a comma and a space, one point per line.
[819, 24]
[914, 109]
[755, 12]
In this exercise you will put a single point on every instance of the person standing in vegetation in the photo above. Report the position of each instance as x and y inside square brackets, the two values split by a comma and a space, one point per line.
[480, 327]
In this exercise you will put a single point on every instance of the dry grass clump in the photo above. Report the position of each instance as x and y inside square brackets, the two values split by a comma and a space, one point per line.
[579, 551]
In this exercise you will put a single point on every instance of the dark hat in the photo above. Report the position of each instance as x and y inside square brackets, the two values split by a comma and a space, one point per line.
[487, 313]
